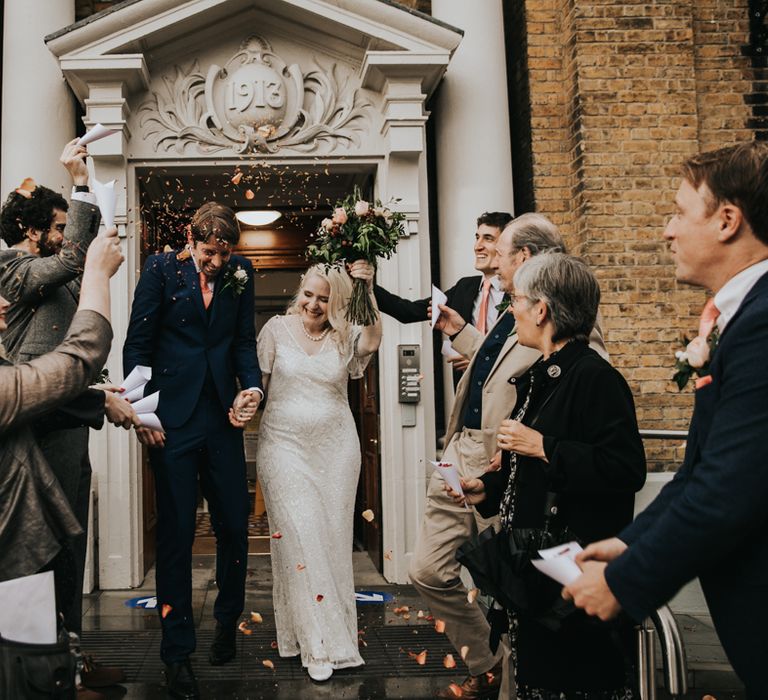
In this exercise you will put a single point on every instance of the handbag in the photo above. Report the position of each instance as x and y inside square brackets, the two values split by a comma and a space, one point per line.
[37, 671]
[500, 565]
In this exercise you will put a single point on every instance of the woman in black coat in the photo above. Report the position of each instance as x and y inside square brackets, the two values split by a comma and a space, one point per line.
[573, 433]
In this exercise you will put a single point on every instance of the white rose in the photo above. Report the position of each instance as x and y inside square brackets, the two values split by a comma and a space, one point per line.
[339, 216]
[327, 224]
[241, 274]
[361, 207]
[697, 352]
[680, 355]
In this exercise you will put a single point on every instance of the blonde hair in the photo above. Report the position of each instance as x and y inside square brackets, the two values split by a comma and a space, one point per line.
[340, 285]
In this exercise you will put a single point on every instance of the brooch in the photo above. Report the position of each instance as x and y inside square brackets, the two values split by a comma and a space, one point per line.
[554, 371]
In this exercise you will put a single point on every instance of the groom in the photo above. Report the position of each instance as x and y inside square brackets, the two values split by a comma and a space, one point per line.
[192, 322]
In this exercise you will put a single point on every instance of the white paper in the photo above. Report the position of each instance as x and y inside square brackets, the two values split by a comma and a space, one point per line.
[451, 476]
[438, 297]
[97, 132]
[148, 404]
[138, 377]
[558, 562]
[150, 420]
[448, 351]
[134, 395]
[28, 609]
[106, 197]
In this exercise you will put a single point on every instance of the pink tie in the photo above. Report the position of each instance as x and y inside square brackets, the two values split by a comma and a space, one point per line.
[708, 318]
[206, 290]
[482, 314]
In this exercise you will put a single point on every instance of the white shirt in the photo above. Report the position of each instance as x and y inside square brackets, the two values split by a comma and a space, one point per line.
[734, 291]
[495, 297]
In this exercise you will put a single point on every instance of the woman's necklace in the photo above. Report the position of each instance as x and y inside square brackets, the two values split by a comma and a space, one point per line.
[314, 338]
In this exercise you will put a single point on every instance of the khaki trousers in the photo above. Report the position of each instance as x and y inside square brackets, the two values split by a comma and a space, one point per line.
[434, 570]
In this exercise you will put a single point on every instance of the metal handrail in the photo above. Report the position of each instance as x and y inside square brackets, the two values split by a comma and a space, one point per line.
[663, 434]
[663, 622]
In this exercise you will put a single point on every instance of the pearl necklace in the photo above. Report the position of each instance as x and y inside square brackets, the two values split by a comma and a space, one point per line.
[313, 338]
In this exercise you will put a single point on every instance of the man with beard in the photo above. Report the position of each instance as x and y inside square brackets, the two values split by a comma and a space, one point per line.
[40, 274]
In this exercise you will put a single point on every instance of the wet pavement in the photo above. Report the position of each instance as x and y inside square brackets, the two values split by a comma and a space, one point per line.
[130, 636]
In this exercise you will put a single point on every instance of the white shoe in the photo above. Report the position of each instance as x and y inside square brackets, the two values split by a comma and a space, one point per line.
[320, 672]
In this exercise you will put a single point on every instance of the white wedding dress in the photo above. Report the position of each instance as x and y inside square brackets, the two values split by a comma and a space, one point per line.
[308, 463]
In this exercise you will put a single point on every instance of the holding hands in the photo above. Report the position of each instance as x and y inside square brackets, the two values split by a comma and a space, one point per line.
[516, 437]
[244, 407]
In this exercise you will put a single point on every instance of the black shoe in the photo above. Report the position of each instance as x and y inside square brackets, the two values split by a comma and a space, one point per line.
[180, 681]
[224, 647]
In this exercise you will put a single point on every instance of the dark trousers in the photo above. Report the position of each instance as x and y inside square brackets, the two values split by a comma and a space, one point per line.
[209, 448]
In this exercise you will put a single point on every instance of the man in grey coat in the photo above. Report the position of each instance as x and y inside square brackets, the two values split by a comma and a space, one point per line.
[40, 274]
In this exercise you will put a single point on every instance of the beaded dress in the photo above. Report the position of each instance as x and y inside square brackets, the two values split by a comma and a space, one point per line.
[308, 463]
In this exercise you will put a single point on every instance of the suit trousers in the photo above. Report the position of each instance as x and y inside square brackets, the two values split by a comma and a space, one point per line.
[207, 448]
[434, 570]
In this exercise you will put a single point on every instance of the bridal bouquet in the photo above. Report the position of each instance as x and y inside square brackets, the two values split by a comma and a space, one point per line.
[357, 230]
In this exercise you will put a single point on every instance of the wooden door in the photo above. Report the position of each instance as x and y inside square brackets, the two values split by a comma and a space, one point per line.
[365, 407]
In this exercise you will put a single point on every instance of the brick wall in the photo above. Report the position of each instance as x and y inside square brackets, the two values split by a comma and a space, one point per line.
[620, 94]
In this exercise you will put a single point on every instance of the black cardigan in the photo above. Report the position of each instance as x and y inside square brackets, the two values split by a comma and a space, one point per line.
[596, 463]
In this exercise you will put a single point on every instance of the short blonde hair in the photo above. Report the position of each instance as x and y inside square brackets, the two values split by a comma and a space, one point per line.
[340, 285]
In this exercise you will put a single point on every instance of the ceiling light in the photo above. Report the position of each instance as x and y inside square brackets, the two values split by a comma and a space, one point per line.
[258, 217]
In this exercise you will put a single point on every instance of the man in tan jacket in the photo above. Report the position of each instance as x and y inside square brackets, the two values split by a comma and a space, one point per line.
[485, 396]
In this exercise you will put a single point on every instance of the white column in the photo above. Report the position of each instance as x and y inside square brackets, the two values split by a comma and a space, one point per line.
[38, 107]
[474, 162]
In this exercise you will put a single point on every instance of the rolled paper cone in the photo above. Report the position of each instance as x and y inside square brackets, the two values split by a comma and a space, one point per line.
[138, 377]
[135, 395]
[438, 297]
[147, 404]
[107, 200]
[451, 476]
[448, 351]
[151, 421]
[99, 131]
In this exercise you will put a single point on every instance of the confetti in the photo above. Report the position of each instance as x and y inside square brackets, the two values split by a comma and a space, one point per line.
[268, 664]
[273, 644]
[464, 651]
[368, 515]
[256, 617]
[420, 615]
[448, 661]
[489, 676]
[165, 610]
[407, 616]
[421, 658]
[277, 535]
[300, 567]
[236, 178]
[319, 597]
[388, 555]
[401, 610]
[243, 627]
[249, 194]
[439, 626]
[472, 595]
[456, 690]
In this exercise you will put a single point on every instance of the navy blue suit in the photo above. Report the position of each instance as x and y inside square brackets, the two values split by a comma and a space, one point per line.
[197, 356]
[711, 520]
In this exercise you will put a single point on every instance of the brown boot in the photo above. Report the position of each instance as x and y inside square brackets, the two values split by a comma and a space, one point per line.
[85, 694]
[483, 687]
[94, 675]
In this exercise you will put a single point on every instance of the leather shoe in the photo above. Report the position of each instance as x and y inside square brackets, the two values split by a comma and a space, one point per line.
[180, 681]
[483, 687]
[224, 645]
[94, 675]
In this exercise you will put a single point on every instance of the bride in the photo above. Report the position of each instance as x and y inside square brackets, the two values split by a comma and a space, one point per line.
[309, 462]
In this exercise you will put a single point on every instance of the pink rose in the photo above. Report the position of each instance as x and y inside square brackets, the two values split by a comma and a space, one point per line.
[327, 224]
[380, 211]
[339, 216]
[697, 352]
[361, 207]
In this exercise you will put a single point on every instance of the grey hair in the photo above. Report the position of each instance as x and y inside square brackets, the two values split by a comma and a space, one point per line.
[535, 232]
[569, 289]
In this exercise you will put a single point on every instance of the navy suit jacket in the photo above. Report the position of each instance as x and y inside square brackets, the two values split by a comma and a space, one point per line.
[172, 332]
[711, 520]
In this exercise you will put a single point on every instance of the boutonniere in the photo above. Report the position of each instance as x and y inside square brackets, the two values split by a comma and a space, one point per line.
[695, 359]
[235, 279]
[501, 308]
[183, 255]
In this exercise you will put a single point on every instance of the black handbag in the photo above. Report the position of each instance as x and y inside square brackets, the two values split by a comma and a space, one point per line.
[37, 671]
[500, 565]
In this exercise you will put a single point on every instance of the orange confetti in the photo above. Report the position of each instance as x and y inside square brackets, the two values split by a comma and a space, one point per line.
[448, 661]
[489, 676]
[439, 626]
[401, 610]
[300, 567]
[236, 178]
[319, 597]
[407, 616]
[464, 651]
[268, 664]
[273, 644]
[243, 627]
[277, 535]
[421, 658]
[249, 194]
[165, 610]
[256, 617]
[388, 555]
[456, 690]
[368, 515]
[472, 595]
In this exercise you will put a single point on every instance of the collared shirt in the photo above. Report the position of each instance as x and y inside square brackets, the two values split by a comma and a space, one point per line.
[732, 294]
[211, 283]
[486, 357]
[495, 298]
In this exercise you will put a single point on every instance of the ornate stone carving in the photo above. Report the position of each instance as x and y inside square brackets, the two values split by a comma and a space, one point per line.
[255, 103]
